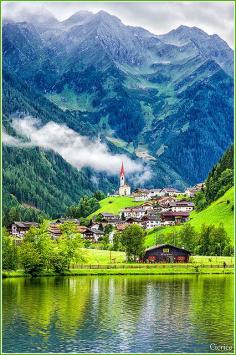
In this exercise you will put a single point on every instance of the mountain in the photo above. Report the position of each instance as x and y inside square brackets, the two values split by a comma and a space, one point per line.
[165, 101]
[212, 47]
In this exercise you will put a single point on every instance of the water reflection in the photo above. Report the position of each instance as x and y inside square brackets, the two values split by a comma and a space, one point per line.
[118, 314]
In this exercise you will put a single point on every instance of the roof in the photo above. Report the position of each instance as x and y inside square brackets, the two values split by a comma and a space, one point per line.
[176, 214]
[25, 224]
[135, 209]
[63, 220]
[166, 245]
[181, 203]
[121, 226]
[106, 214]
[150, 218]
[171, 189]
[95, 231]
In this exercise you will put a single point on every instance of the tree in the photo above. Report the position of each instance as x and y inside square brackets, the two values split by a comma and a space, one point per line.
[117, 246]
[132, 239]
[220, 241]
[68, 246]
[187, 237]
[9, 252]
[31, 259]
[99, 195]
[86, 206]
[36, 250]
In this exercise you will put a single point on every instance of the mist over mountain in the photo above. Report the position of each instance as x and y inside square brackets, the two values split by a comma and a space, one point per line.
[165, 101]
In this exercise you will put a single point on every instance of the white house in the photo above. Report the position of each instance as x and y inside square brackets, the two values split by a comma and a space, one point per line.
[169, 191]
[155, 193]
[181, 206]
[136, 212]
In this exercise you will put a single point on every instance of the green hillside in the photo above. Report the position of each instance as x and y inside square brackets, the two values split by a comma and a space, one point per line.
[115, 204]
[218, 212]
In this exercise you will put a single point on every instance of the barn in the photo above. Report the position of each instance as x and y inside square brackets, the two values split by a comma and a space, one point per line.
[166, 253]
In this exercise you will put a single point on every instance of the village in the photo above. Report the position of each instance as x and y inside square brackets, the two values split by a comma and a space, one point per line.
[158, 207]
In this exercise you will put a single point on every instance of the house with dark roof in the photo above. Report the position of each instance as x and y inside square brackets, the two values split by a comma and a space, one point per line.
[170, 217]
[166, 253]
[18, 228]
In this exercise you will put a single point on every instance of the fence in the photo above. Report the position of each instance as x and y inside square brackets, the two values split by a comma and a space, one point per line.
[148, 266]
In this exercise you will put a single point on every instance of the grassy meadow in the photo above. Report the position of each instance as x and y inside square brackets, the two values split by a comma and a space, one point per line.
[218, 212]
[114, 204]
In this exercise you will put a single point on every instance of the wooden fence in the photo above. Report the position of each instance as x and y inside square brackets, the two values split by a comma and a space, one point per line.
[148, 266]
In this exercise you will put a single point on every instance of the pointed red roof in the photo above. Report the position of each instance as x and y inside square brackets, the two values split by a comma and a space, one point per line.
[122, 170]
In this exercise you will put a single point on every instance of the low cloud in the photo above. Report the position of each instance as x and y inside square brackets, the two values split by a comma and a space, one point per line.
[79, 151]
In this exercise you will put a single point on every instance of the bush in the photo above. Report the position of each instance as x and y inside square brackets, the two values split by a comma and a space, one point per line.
[9, 253]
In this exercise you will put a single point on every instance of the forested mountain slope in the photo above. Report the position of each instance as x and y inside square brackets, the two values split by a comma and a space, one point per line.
[164, 101]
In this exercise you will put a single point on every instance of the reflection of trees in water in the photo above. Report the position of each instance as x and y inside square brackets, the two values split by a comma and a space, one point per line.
[212, 300]
[42, 301]
[127, 310]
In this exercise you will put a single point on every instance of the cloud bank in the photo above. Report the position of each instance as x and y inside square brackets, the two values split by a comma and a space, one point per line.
[77, 150]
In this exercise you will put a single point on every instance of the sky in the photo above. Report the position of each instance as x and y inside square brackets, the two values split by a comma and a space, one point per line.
[213, 17]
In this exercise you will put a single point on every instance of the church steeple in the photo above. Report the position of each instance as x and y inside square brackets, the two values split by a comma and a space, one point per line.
[122, 175]
[124, 189]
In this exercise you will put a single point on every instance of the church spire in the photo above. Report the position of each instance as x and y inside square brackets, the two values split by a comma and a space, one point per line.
[122, 170]
[122, 175]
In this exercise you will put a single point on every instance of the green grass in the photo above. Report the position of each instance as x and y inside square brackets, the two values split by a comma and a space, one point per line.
[218, 212]
[214, 260]
[115, 204]
[98, 257]
[69, 100]
[152, 270]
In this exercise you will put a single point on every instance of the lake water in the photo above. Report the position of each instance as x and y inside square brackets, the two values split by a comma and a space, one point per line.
[139, 314]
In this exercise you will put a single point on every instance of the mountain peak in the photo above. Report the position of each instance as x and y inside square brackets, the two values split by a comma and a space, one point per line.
[78, 17]
[105, 16]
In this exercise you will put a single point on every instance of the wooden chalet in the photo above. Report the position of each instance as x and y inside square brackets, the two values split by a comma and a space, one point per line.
[175, 217]
[92, 235]
[18, 229]
[166, 253]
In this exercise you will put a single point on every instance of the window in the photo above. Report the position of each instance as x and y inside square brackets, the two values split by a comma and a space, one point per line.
[166, 250]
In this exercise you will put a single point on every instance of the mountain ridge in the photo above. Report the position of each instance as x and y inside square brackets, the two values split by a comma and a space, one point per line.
[167, 106]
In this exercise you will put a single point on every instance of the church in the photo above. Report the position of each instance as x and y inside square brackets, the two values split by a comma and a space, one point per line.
[124, 189]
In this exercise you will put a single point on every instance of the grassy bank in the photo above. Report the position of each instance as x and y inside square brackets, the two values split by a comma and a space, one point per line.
[115, 204]
[162, 269]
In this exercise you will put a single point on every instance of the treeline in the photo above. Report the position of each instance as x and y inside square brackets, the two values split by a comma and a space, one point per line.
[211, 240]
[86, 206]
[39, 252]
[219, 180]
[44, 181]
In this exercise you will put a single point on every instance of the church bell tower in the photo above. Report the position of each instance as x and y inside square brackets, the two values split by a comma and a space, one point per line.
[122, 175]
[124, 189]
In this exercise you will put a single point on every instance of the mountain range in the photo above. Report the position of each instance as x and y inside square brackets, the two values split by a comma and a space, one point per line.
[163, 100]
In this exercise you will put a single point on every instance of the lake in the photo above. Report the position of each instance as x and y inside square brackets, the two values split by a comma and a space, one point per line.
[138, 314]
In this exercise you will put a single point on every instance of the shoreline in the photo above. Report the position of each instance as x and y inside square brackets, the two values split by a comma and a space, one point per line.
[127, 271]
